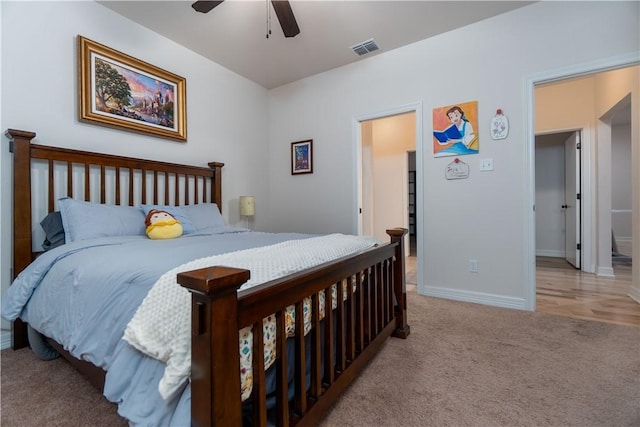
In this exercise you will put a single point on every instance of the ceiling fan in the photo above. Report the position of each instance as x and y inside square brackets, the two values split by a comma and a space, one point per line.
[282, 9]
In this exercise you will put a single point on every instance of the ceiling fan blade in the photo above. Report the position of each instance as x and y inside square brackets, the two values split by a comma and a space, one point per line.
[285, 16]
[205, 6]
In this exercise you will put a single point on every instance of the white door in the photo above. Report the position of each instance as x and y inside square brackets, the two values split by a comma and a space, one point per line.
[571, 205]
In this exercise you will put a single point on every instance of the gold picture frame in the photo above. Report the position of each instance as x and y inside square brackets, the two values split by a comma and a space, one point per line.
[139, 97]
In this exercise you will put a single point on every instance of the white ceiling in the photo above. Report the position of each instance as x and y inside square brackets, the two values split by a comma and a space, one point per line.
[233, 34]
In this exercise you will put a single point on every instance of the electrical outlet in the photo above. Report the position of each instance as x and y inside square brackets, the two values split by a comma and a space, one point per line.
[473, 265]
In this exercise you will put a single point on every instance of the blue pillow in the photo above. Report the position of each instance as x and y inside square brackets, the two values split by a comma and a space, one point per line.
[87, 220]
[178, 213]
[204, 215]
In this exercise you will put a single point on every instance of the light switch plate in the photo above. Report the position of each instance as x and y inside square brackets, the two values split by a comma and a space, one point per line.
[486, 164]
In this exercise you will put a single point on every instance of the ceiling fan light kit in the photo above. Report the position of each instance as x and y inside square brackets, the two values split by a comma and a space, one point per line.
[281, 7]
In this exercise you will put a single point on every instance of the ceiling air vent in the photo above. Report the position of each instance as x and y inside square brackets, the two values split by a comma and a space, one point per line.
[365, 47]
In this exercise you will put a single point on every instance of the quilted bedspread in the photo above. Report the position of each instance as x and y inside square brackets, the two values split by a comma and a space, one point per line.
[161, 326]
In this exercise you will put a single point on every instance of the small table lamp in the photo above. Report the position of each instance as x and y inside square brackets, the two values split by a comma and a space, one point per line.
[247, 207]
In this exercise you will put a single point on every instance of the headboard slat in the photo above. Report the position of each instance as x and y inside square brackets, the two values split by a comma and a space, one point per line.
[195, 190]
[87, 183]
[155, 187]
[103, 185]
[50, 202]
[166, 188]
[176, 197]
[117, 185]
[69, 179]
[186, 189]
[130, 187]
[144, 187]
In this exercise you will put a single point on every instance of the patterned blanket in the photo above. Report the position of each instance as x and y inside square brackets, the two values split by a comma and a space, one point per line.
[161, 327]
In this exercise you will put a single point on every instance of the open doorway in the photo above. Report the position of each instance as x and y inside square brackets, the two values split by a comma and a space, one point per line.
[388, 174]
[558, 196]
[583, 284]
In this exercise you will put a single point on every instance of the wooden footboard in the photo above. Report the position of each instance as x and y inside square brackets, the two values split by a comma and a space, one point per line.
[374, 308]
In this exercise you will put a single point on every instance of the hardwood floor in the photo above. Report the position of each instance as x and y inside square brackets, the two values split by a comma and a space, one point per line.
[565, 291]
[411, 273]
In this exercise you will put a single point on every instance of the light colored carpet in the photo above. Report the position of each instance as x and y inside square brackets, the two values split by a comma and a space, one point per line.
[463, 365]
[470, 365]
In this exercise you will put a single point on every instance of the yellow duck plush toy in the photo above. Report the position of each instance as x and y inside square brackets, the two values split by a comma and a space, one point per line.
[162, 225]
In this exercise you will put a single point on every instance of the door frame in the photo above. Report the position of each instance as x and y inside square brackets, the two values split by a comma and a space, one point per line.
[415, 108]
[530, 82]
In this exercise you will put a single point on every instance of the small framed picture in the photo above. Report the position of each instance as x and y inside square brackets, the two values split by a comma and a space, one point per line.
[302, 157]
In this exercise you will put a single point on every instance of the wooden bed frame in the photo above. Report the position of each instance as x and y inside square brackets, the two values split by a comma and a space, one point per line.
[373, 280]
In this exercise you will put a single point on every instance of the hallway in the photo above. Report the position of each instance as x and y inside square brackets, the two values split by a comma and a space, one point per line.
[565, 291]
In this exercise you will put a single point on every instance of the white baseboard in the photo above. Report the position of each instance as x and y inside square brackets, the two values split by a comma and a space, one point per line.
[550, 252]
[605, 272]
[5, 340]
[475, 297]
[634, 294]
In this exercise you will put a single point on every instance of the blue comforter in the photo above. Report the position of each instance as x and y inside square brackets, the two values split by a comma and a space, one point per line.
[83, 294]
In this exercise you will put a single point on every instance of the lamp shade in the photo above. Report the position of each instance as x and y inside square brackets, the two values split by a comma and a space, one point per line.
[247, 206]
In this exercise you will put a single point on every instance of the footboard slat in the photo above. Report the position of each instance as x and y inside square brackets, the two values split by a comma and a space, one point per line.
[328, 341]
[340, 329]
[366, 304]
[258, 393]
[315, 388]
[282, 386]
[300, 400]
[351, 321]
[379, 297]
[358, 301]
[373, 302]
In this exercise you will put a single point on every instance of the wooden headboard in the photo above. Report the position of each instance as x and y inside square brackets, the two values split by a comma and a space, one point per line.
[100, 178]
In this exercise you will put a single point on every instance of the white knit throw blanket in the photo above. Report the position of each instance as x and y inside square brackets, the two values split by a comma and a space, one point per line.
[161, 327]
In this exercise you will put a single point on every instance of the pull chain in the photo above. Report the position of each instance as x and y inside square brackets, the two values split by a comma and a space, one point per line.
[268, 12]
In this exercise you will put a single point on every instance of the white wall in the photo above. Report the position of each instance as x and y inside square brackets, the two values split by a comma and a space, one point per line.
[226, 114]
[482, 217]
[621, 181]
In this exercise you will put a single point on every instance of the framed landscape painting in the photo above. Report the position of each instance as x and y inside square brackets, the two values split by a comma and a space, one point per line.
[120, 91]
[301, 157]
